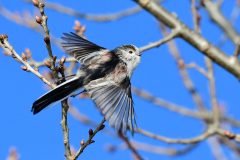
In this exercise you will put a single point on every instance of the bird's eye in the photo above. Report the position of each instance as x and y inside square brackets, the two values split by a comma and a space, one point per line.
[130, 52]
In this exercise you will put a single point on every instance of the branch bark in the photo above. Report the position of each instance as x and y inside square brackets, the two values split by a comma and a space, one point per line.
[191, 37]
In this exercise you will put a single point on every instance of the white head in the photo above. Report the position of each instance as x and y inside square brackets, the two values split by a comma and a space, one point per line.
[130, 54]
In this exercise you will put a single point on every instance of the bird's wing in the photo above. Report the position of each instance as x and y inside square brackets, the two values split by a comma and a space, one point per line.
[80, 48]
[115, 103]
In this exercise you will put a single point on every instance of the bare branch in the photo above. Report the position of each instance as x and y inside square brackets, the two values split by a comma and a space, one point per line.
[229, 135]
[237, 51]
[209, 132]
[64, 123]
[19, 19]
[161, 150]
[89, 141]
[197, 68]
[231, 145]
[190, 36]
[37, 64]
[167, 38]
[216, 148]
[43, 22]
[217, 17]
[214, 102]
[168, 105]
[8, 48]
[187, 81]
[136, 155]
[92, 17]
[196, 16]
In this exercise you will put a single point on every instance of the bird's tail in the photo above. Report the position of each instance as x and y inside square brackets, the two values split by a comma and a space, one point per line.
[61, 92]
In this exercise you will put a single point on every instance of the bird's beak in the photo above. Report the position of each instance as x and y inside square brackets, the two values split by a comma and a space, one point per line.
[140, 51]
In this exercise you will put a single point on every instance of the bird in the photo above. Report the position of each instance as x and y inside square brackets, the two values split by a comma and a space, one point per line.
[105, 75]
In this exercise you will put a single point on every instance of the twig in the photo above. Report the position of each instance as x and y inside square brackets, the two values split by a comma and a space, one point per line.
[217, 17]
[37, 64]
[81, 118]
[43, 22]
[136, 155]
[231, 145]
[26, 21]
[20, 19]
[8, 48]
[228, 134]
[214, 103]
[89, 141]
[187, 81]
[216, 148]
[196, 16]
[64, 123]
[191, 37]
[232, 121]
[91, 17]
[237, 51]
[181, 109]
[197, 68]
[161, 150]
[170, 106]
[209, 132]
[167, 38]
[233, 17]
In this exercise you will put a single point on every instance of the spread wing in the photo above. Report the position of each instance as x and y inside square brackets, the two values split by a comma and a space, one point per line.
[115, 103]
[80, 48]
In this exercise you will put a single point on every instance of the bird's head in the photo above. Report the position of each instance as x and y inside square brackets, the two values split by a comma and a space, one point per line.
[130, 54]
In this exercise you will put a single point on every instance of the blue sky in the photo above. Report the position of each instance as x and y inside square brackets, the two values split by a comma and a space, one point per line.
[40, 136]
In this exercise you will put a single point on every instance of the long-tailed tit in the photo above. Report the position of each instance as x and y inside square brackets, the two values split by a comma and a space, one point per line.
[104, 75]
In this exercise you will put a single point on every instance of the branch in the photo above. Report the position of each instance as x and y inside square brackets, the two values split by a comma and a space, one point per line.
[237, 51]
[196, 16]
[37, 64]
[216, 148]
[170, 106]
[197, 68]
[65, 129]
[64, 123]
[136, 155]
[89, 141]
[231, 145]
[19, 18]
[181, 109]
[161, 150]
[209, 132]
[221, 21]
[229, 135]
[92, 17]
[167, 38]
[212, 90]
[9, 49]
[43, 22]
[187, 81]
[191, 37]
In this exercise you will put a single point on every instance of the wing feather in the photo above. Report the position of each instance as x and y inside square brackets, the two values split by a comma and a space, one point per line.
[115, 103]
[110, 106]
[125, 117]
[80, 48]
[117, 106]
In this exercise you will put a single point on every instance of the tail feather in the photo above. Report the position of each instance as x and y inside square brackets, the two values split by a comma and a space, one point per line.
[61, 92]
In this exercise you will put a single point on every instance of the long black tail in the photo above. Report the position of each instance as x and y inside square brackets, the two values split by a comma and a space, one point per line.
[61, 92]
